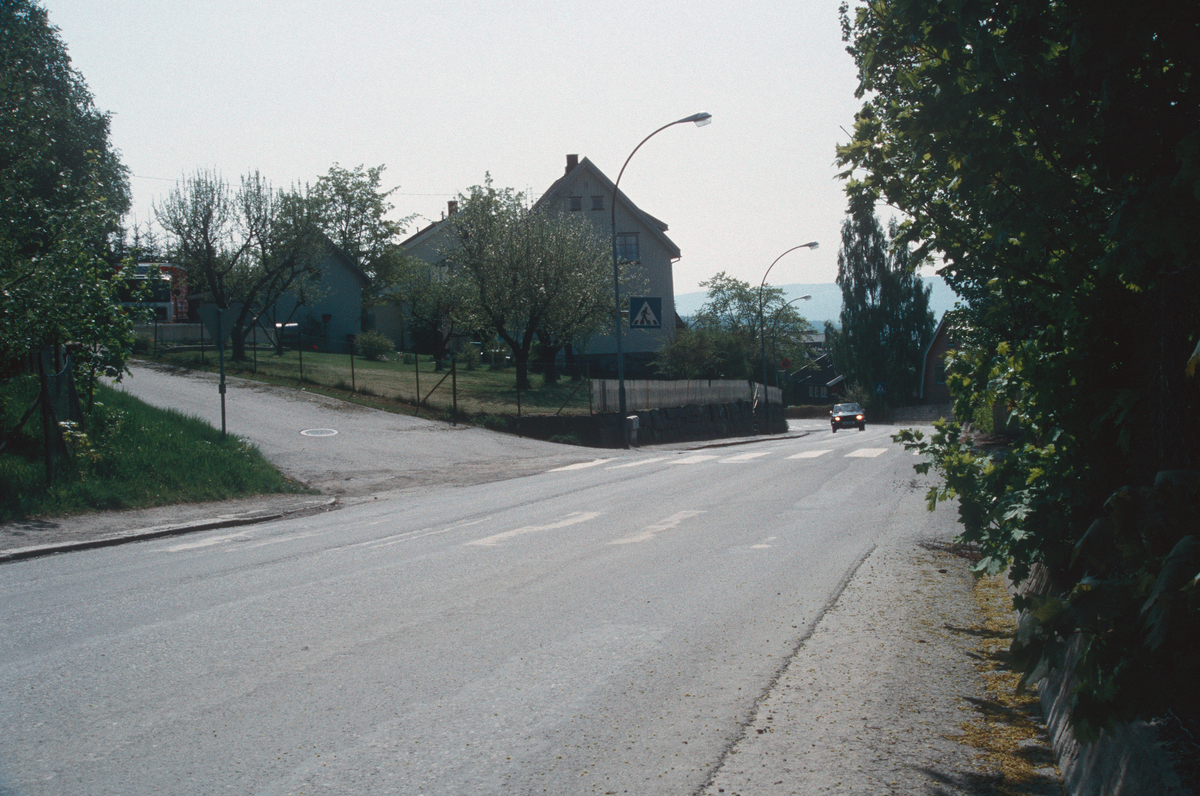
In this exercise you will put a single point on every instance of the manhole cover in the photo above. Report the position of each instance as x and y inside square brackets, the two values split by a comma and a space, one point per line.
[318, 432]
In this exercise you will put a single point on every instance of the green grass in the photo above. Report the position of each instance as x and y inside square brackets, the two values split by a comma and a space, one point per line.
[127, 455]
[392, 385]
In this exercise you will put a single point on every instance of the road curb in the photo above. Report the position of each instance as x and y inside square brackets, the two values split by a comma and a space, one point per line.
[38, 551]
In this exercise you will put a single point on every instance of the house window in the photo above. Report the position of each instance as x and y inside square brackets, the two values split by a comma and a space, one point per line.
[939, 374]
[627, 247]
[597, 202]
[576, 202]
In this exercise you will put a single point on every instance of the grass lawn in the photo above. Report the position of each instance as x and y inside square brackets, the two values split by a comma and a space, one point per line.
[127, 455]
[481, 391]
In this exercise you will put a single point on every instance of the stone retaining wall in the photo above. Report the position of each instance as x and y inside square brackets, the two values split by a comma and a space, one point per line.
[680, 424]
[1128, 762]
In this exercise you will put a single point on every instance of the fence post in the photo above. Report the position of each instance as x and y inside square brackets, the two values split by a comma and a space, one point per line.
[353, 386]
[454, 388]
[417, 369]
[300, 352]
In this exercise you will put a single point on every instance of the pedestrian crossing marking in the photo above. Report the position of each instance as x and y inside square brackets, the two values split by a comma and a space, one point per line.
[637, 463]
[745, 457]
[866, 453]
[580, 465]
[697, 459]
[809, 454]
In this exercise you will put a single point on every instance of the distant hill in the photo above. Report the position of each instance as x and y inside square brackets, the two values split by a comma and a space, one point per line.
[826, 301]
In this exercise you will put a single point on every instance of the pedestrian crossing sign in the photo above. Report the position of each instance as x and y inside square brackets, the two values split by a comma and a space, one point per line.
[645, 312]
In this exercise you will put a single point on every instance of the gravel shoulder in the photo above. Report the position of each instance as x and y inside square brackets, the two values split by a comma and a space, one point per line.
[891, 694]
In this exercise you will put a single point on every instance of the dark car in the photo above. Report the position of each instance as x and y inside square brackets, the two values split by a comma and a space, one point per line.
[844, 415]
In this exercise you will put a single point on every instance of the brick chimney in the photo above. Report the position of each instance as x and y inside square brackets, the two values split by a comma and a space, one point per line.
[572, 162]
[451, 207]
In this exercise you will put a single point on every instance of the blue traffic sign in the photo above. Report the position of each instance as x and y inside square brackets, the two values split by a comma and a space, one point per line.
[645, 312]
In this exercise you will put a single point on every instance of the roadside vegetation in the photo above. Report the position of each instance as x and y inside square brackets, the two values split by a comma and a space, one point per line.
[124, 455]
[1047, 155]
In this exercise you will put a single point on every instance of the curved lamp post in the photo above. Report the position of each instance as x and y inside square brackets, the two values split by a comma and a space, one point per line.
[699, 119]
[762, 331]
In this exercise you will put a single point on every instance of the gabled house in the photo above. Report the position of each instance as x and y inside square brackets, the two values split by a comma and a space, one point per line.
[334, 309]
[641, 240]
[933, 367]
[820, 384]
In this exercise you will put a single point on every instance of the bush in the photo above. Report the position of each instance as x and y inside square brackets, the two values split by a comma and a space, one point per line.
[374, 345]
[495, 422]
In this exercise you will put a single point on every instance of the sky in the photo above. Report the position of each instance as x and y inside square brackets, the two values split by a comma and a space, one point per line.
[444, 93]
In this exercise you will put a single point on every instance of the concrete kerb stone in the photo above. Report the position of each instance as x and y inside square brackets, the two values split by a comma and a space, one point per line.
[158, 532]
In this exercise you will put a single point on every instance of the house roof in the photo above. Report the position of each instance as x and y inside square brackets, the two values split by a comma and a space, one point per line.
[347, 261]
[656, 227]
[585, 166]
[942, 326]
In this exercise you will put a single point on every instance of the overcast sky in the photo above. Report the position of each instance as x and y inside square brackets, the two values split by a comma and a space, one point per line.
[445, 92]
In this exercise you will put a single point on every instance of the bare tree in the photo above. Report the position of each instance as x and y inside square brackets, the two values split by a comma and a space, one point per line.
[244, 248]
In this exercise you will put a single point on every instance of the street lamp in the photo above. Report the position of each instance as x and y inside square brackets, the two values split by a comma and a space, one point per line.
[699, 119]
[762, 331]
[775, 329]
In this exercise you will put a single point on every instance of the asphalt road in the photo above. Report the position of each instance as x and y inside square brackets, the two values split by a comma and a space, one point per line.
[595, 625]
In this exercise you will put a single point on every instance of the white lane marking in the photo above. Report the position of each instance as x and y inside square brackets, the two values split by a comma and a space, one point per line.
[674, 521]
[278, 540]
[745, 457]
[580, 465]
[695, 459]
[409, 536]
[206, 542]
[866, 453]
[809, 454]
[414, 535]
[765, 544]
[571, 519]
[638, 463]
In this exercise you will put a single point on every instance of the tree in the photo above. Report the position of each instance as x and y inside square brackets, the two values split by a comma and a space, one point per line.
[529, 274]
[433, 299]
[63, 191]
[353, 212]
[885, 320]
[246, 248]
[1050, 152]
[727, 339]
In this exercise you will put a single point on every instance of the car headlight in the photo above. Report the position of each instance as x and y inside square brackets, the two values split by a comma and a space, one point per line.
[859, 417]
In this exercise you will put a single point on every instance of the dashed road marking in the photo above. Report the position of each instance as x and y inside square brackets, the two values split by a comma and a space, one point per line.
[674, 521]
[571, 519]
[809, 454]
